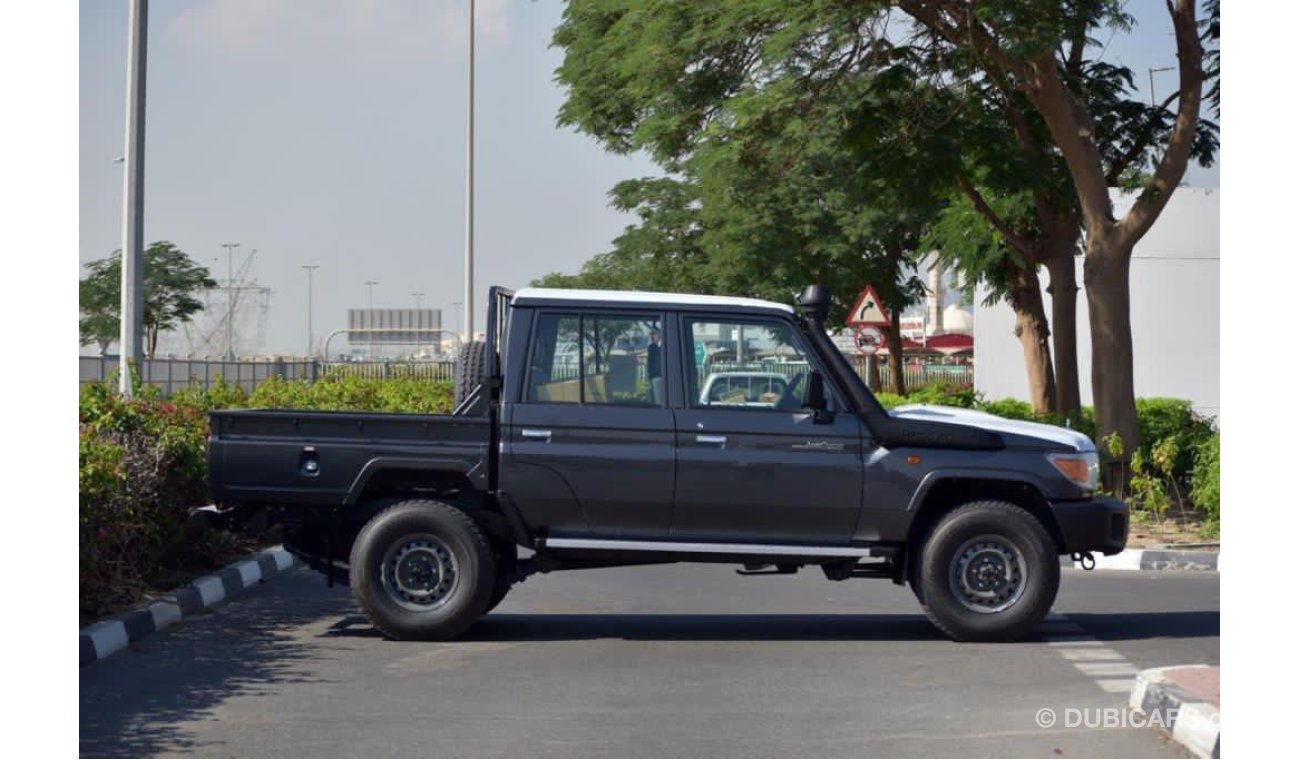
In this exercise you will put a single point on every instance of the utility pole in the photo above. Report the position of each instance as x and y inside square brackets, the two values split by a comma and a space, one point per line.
[469, 192]
[230, 299]
[131, 322]
[311, 269]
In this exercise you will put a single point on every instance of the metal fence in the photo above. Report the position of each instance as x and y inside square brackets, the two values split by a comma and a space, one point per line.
[172, 375]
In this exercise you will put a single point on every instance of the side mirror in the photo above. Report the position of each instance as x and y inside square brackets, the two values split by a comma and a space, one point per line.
[816, 399]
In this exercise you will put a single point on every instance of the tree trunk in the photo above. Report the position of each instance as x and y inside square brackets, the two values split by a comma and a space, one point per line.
[1026, 299]
[1106, 279]
[1064, 290]
[894, 340]
[873, 372]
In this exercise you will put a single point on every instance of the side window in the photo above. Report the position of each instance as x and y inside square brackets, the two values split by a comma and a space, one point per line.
[746, 364]
[597, 359]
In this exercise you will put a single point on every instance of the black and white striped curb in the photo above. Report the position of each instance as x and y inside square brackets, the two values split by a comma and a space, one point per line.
[114, 634]
[1195, 722]
[1155, 559]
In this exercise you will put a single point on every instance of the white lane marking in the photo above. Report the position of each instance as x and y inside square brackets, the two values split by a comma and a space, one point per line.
[164, 614]
[1099, 653]
[249, 572]
[108, 636]
[210, 590]
[1106, 668]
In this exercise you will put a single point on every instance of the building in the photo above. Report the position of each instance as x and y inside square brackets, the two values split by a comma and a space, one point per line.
[1175, 312]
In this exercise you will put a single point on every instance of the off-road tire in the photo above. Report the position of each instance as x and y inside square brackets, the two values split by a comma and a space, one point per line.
[934, 570]
[475, 570]
[470, 369]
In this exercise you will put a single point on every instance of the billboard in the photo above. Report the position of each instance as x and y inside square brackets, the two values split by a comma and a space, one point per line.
[394, 327]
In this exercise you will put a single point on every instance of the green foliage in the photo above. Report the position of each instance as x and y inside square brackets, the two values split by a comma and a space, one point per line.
[945, 394]
[1205, 478]
[142, 463]
[1170, 418]
[891, 400]
[171, 280]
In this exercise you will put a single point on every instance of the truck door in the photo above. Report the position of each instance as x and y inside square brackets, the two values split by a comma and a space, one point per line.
[752, 463]
[588, 445]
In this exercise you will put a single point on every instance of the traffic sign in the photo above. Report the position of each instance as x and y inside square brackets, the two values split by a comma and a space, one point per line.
[868, 339]
[868, 310]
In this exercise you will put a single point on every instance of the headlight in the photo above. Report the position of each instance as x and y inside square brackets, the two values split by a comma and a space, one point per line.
[1081, 469]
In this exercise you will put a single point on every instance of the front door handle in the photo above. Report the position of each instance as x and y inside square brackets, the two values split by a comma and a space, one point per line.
[536, 434]
[713, 440]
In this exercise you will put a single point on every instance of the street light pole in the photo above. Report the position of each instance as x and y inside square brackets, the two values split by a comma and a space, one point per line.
[1151, 79]
[311, 270]
[230, 299]
[418, 299]
[469, 192]
[457, 305]
[131, 323]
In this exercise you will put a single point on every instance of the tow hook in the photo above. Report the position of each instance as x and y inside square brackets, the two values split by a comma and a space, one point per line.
[1085, 560]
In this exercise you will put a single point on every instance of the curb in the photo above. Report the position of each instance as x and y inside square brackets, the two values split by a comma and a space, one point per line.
[111, 635]
[1155, 559]
[1188, 718]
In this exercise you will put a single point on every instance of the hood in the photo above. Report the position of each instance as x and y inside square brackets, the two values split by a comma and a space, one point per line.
[1016, 433]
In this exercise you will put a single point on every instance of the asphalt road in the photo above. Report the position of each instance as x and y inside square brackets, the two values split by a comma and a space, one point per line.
[686, 660]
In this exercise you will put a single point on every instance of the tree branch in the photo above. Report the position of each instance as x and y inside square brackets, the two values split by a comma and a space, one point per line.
[1140, 144]
[1173, 163]
[1019, 241]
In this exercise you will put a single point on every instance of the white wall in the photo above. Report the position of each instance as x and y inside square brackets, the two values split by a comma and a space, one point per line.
[1175, 312]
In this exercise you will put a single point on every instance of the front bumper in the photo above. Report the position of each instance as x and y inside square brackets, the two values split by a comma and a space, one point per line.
[1092, 525]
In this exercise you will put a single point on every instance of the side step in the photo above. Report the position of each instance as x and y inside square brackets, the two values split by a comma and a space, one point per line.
[681, 547]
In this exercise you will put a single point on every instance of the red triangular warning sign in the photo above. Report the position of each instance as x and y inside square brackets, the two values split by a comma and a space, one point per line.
[868, 310]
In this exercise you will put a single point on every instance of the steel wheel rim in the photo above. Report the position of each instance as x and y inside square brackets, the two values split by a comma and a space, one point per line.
[420, 573]
[988, 574]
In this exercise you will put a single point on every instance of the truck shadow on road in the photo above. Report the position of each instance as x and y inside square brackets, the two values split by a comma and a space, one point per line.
[521, 627]
[141, 702]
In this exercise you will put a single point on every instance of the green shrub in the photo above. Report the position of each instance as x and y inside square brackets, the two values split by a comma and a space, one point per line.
[891, 400]
[1161, 419]
[944, 394]
[140, 469]
[1205, 478]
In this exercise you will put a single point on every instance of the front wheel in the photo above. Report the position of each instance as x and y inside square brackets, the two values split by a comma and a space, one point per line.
[422, 569]
[988, 572]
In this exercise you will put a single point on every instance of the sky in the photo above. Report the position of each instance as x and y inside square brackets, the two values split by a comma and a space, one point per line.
[332, 132]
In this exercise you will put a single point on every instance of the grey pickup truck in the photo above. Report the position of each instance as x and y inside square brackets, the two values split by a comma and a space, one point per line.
[599, 428]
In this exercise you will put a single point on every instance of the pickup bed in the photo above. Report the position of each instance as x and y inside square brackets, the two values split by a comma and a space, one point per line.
[586, 434]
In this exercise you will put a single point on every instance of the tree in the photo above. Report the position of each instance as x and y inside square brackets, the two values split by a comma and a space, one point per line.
[171, 280]
[1034, 49]
[670, 77]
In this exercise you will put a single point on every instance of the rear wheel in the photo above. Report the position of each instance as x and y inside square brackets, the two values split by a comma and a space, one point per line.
[988, 572]
[422, 569]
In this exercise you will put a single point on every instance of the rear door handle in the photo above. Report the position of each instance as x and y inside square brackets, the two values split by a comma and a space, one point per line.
[535, 434]
[714, 440]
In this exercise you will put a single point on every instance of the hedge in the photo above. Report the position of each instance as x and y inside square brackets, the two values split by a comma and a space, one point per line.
[142, 462]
